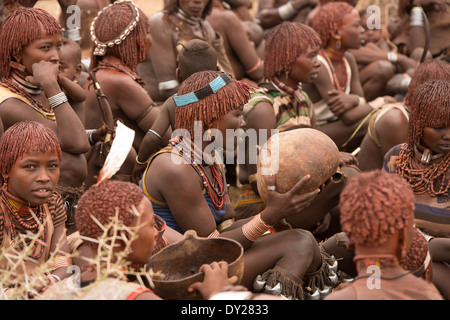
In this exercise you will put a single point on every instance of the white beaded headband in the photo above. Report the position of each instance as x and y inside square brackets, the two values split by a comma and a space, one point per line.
[100, 47]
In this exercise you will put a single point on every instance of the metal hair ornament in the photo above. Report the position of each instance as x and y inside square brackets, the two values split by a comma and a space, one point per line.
[221, 81]
[100, 47]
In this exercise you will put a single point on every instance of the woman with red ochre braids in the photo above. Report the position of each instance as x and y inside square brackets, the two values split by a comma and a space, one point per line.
[388, 126]
[424, 162]
[30, 157]
[32, 88]
[377, 216]
[337, 95]
[118, 49]
[186, 184]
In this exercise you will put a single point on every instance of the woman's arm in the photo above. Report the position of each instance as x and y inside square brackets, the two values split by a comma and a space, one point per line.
[162, 55]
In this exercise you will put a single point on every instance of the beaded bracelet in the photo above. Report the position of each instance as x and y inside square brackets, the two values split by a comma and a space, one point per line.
[57, 99]
[255, 228]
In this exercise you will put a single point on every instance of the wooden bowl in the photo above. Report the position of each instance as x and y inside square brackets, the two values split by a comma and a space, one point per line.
[300, 152]
[179, 264]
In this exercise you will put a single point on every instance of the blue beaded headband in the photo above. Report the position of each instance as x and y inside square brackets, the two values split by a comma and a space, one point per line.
[221, 81]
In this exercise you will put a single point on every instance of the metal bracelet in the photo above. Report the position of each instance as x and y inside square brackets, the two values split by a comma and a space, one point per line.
[140, 163]
[73, 34]
[57, 100]
[287, 11]
[168, 85]
[155, 133]
[392, 57]
[416, 17]
[89, 135]
[361, 101]
[57, 278]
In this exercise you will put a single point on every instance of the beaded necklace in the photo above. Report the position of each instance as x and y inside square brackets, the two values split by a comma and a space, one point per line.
[339, 85]
[28, 224]
[216, 187]
[423, 179]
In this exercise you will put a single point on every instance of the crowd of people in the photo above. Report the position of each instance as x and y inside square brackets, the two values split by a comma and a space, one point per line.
[181, 80]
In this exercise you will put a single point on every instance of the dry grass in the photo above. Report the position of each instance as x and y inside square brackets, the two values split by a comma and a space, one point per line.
[107, 261]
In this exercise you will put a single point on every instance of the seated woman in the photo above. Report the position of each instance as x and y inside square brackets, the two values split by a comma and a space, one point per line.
[424, 160]
[388, 126]
[280, 104]
[33, 237]
[378, 61]
[337, 95]
[377, 216]
[32, 88]
[186, 184]
[119, 212]
[118, 49]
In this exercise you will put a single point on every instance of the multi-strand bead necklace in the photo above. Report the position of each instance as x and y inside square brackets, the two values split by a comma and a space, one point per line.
[29, 223]
[216, 187]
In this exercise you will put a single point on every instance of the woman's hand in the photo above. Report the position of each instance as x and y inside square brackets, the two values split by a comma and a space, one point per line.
[283, 205]
[216, 279]
[347, 159]
[341, 102]
[44, 73]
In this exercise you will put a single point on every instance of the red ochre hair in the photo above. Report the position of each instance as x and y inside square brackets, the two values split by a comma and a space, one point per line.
[228, 98]
[280, 55]
[430, 107]
[19, 29]
[101, 201]
[23, 138]
[132, 50]
[428, 70]
[374, 206]
[329, 19]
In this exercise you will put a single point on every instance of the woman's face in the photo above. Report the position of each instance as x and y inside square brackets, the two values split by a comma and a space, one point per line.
[306, 67]
[437, 139]
[33, 177]
[142, 246]
[230, 123]
[351, 31]
[194, 8]
[47, 48]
